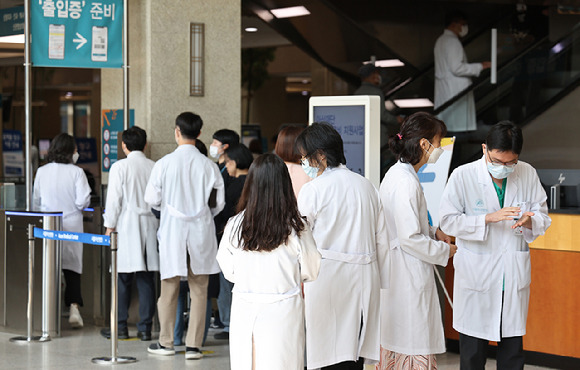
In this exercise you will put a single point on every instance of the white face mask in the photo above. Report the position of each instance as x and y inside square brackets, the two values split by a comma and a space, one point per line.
[214, 151]
[75, 157]
[435, 154]
[312, 172]
[499, 171]
[464, 31]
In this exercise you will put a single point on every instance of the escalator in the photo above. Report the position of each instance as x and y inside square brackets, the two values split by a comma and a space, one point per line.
[527, 85]
[536, 68]
[342, 34]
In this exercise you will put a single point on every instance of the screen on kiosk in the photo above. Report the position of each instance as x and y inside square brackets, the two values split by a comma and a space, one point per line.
[349, 121]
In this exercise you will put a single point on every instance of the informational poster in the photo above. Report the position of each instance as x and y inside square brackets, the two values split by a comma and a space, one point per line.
[111, 127]
[12, 21]
[349, 121]
[13, 154]
[87, 149]
[82, 34]
[433, 178]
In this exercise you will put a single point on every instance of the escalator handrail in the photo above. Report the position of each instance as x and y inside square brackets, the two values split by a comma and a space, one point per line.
[485, 79]
[431, 65]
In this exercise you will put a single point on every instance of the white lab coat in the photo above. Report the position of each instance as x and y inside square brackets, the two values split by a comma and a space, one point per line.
[345, 214]
[267, 304]
[452, 75]
[180, 186]
[127, 211]
[410, 312]
[489, 254]
[60, 187]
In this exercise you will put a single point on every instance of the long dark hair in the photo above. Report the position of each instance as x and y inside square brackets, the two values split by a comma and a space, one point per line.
[406, 144]
[271, 212]
[61, 149]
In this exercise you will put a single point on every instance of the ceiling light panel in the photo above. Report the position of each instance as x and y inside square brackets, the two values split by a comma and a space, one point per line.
[414, 103]
[293, 11]
[387, 63]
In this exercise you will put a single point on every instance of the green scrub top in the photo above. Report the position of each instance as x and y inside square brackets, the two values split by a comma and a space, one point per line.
[500, 191]
[501, 196]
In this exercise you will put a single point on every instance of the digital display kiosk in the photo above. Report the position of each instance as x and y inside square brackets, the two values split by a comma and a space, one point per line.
[357, 120]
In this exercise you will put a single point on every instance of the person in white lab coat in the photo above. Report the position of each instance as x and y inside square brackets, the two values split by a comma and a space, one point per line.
[494, 206]
[267, 250]
[60, 186]
[127, 213]
[453, 74]
[411, 327]
[344, 211]
[180, 186]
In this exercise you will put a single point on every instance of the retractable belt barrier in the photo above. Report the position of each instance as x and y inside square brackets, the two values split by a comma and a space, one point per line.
[94, 239]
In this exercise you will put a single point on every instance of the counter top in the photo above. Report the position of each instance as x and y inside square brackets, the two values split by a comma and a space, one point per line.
[561, 235]
[565, 211]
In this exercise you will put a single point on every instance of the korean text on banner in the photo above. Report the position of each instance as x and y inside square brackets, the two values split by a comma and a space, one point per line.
[81, 34]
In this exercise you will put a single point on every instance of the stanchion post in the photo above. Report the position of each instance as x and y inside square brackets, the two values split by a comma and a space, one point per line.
[30, 305]
[51, 271]
[114, 359]
[114, 297]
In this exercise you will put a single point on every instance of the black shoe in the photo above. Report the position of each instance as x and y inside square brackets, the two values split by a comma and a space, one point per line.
[222, 335]
[144, 335]
[121, 333]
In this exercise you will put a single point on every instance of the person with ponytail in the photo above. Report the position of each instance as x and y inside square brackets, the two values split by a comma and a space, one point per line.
[411, 327]
[267, 251]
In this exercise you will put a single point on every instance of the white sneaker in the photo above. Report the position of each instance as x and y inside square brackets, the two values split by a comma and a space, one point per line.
[75, 320]
[193, 353]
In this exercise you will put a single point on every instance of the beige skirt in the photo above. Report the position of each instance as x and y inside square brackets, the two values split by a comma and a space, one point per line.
[397, 361]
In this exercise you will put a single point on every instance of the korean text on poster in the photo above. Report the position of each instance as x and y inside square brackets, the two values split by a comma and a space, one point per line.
[111, 128]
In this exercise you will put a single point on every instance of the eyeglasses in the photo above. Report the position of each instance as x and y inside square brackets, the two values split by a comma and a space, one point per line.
[495, 162]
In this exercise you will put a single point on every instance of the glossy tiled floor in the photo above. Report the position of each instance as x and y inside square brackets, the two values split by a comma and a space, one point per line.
[75, 349]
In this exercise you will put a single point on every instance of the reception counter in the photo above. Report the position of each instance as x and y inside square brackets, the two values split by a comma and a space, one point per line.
[553, 326]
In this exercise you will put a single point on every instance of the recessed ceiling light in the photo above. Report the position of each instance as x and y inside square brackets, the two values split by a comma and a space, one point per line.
[293, 11]
[413, 103]
[251, 29]
[14, 39]
[387, 63]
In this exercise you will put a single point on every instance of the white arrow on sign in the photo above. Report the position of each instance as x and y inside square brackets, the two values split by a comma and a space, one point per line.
[81, 41]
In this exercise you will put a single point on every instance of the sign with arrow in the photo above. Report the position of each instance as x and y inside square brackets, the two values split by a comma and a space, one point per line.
[77, 34]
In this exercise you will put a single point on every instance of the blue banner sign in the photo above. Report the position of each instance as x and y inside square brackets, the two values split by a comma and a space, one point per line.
[82, 34]
[111, 125]
[12, 21]
[70, 236]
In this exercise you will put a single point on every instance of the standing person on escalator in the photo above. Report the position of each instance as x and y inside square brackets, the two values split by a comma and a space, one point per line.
[453, 75]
